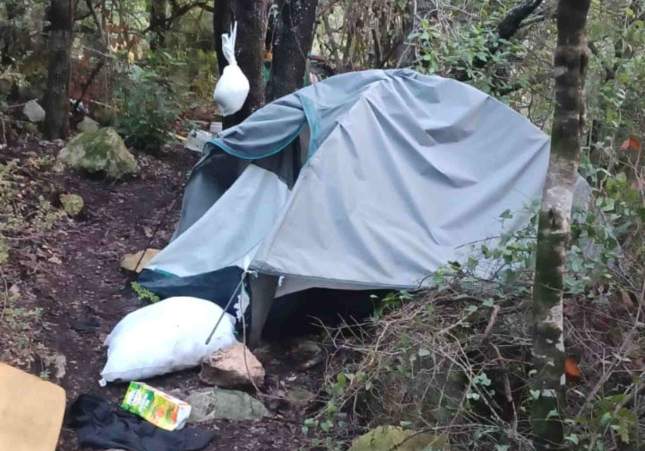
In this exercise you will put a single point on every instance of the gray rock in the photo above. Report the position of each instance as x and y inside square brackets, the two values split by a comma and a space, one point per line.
[87, 125]
[214, 403]
[299, 397]
[33, 111]
[100, 151]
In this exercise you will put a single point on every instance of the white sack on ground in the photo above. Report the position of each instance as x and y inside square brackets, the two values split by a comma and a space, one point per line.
[233, 86]
[167, 336]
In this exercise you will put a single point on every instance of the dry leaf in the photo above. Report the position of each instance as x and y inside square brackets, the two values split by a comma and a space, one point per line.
[631, 143]
[627, 300]
[571, 368]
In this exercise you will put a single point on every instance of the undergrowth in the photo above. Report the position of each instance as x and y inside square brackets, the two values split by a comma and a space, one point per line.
[26, 215]
[455, 360]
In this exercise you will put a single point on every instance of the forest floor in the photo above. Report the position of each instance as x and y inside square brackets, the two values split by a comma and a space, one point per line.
[71, 275]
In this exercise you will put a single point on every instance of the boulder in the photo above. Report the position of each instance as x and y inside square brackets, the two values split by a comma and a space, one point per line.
[33, 111]
[73, 204]
[232, 367]
[135, 263]
[386, 438]
[101, 151]
[87, 125]
[214, 403]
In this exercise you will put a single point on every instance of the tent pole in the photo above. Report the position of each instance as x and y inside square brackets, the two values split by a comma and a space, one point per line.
[263, 288]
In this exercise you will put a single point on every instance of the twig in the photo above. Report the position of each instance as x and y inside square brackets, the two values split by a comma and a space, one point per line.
[89, 82]
[5, 299]
[246, 365]
[4, 131]
[491, 323]
[623, 347]
[507, 390]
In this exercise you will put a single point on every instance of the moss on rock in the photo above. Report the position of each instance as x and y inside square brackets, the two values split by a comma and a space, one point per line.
[386, 438]
[99, 151]
[72, 204]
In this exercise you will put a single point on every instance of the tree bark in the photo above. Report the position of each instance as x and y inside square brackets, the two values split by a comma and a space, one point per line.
[158, 23]
[292, 43]
[251, 17]
[554, 225]
[58, 71]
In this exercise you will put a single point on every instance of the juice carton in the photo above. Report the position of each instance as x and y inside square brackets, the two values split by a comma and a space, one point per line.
[155, 406]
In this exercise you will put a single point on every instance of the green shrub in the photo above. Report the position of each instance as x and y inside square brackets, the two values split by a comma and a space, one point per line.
[143, 293]
[147, 111]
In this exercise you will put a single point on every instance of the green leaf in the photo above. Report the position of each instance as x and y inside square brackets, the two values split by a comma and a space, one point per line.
[506, 214]
[573, 438]
[482, 379]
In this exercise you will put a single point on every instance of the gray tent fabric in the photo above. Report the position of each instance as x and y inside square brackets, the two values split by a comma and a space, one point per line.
[402, 172]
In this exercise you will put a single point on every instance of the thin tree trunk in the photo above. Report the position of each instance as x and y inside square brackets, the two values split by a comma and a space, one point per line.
[251, 17]
[158, 23]
[554, 225]
[58, 72]
[292, 44]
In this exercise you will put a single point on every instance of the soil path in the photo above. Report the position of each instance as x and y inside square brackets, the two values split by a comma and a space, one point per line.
[83, 292]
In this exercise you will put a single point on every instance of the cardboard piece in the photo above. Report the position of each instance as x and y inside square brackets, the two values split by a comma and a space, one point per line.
[31, 411]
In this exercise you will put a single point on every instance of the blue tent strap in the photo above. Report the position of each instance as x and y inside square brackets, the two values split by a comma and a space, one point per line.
[220, 144]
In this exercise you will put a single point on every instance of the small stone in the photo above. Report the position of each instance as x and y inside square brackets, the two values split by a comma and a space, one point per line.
[87, 125]
[214, 403]
[232, 367]
[308, 354]
[299, 397]
[135, 263]
[59, 363]
[386, 438]
[33, 111]
[30, 128]
[73, 204]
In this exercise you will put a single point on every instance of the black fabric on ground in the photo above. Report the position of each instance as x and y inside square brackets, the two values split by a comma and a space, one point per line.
[101, 424]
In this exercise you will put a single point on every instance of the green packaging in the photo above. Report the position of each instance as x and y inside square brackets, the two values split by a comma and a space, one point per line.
[155, 406]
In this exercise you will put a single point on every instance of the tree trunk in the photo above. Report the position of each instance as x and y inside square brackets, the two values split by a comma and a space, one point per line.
[292, 43]
[158, 23]
[58, 71]
[554, 225]
[251, 16]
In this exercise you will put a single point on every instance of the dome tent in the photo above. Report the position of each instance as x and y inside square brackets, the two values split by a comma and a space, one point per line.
[395, 173]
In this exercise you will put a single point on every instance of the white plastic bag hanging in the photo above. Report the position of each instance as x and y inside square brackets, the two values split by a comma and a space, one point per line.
[233, 86]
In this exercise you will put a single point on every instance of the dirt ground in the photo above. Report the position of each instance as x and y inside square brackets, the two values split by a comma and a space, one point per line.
[72, 272]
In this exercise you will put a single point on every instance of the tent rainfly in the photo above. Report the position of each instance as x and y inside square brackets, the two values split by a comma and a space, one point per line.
[366, 180]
